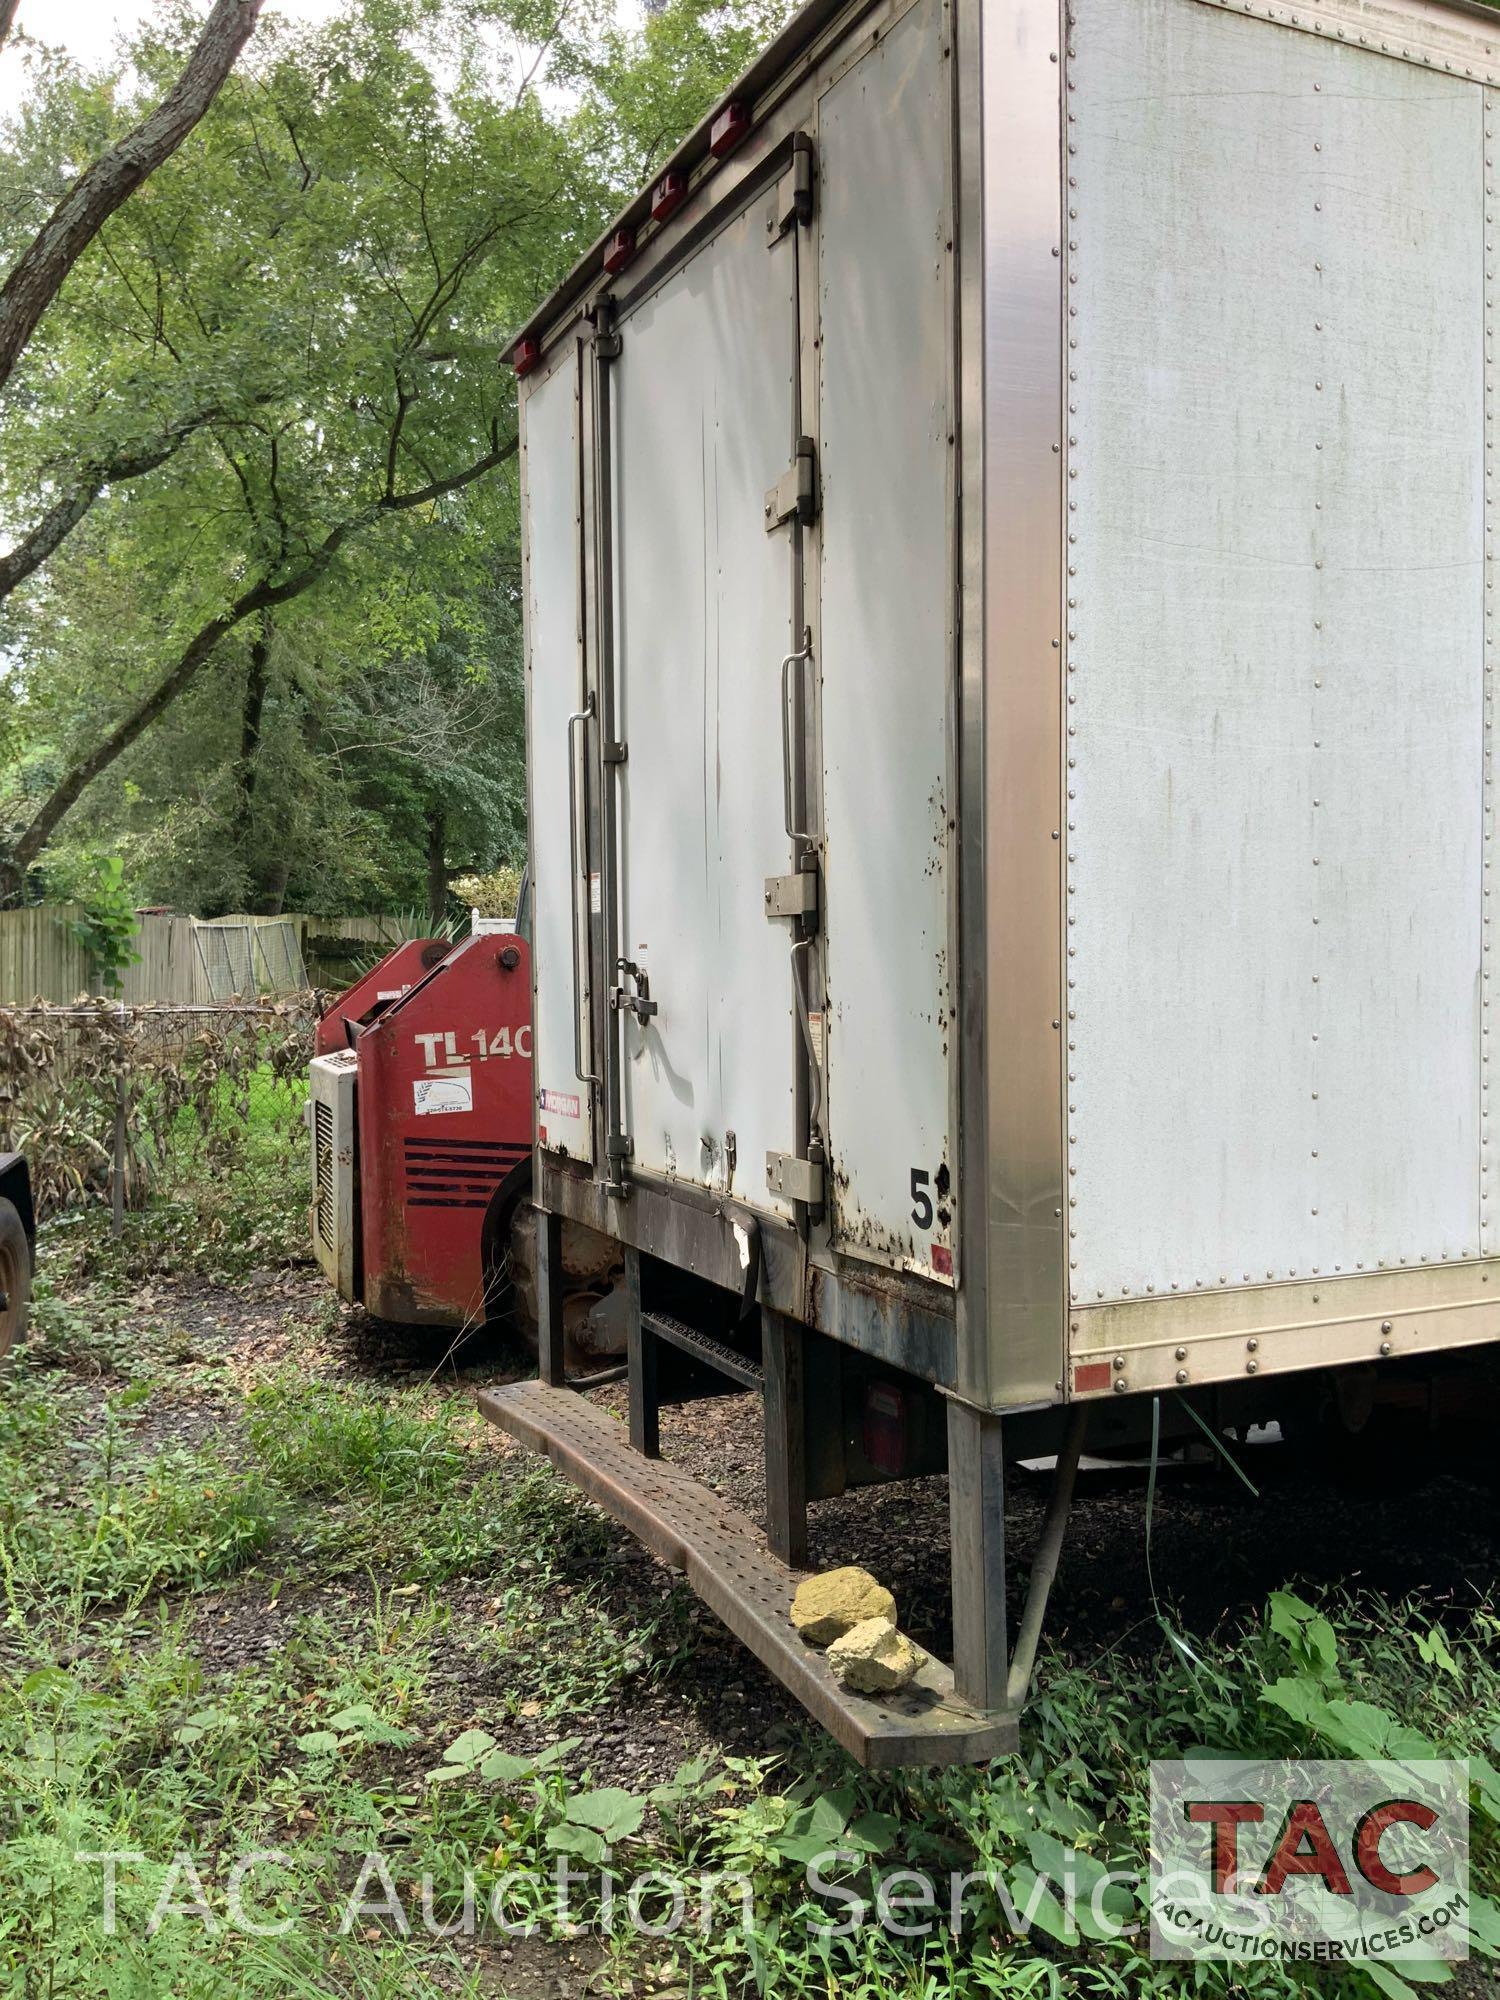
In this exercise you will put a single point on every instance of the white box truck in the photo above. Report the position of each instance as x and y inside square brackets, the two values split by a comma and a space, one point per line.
[1010, 533]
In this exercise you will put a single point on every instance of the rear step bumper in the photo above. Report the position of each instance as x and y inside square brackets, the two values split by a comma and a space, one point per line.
[723, 1555]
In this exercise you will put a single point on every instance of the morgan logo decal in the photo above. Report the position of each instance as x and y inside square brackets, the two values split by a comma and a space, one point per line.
[560, 1101]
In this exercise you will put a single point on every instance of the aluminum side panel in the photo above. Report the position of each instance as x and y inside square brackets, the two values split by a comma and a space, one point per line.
[885, 277]
[554, 680]
[1012, 728]
[703, 403]
[1275, 267]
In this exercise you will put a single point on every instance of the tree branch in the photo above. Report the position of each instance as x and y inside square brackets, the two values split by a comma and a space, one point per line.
[7, 19]
[64, 515]
[260, 597]
[115, 175]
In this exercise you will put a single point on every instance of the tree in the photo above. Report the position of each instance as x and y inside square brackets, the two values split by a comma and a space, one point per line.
[265, 589]
[115, 175]
[312, 295]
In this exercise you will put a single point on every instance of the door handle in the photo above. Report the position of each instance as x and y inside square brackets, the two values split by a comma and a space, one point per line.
[584, 715]
[788, 814]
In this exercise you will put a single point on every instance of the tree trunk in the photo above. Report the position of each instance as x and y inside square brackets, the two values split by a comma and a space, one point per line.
[247, 766]
[115, 176]
[437, 867]
[273, 896]
[7, 18]
[257, 674]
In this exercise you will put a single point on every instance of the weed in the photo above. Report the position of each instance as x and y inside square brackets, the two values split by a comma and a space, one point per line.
[331, 1442]
[209, 1657]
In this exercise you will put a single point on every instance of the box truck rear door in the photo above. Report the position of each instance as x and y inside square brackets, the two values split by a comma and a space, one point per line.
[552, 446]
[703, 400]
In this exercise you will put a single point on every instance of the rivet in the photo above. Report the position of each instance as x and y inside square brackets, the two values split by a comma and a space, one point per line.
[1252, 1345]
[1385, 1347]
[1251, 1367]
[1182, 1376]
[1182, 1354]
[1120, 1385]
[1385, 1326]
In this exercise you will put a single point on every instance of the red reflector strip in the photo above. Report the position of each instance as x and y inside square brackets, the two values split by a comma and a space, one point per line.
[668, 195]
[528, 353]
[727, 130]
[942, 1260]
[1089, 1376]
[619, 250]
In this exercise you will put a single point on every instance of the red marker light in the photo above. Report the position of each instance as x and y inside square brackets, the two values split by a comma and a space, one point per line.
[528, 353]
[619, 250]
[668, 195]
[727, 130]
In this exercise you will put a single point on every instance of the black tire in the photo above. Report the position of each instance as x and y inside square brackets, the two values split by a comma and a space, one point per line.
[501, 1298]
[15, 1277]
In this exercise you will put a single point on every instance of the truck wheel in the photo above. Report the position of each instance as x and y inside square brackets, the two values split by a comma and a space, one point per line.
[15, 1277]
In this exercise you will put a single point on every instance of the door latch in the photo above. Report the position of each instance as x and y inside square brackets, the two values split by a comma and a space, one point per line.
[638, 1003]
[792, 895]
[794, 497]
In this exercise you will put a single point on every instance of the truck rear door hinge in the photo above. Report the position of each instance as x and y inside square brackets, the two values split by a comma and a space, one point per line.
[792, 895]
[638, 1003]
[791, 199]
[794, 497]
[606, 340]
[794, 1178]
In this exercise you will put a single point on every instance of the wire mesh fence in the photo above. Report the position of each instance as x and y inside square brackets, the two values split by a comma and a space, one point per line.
[108, 1102]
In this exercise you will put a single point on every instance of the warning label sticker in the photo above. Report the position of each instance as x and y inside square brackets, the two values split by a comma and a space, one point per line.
[452, 1091]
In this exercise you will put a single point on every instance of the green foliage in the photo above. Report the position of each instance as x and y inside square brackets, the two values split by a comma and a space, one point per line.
[300, 316]
[106, 924]
[494, 894]
[319, 1438]
[132, 1526]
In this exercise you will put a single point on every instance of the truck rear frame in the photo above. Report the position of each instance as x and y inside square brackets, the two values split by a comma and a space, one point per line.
[1164, 627]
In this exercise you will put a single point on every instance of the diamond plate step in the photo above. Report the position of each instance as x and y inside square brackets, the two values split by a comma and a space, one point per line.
[723, 1555]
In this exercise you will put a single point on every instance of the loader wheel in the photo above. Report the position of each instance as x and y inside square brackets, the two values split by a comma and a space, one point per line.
[513, 1196]
[15, 1277]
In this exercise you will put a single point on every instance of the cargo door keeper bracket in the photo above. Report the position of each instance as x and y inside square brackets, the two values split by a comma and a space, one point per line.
[794, 497]
[794, 1178]
[792, 895]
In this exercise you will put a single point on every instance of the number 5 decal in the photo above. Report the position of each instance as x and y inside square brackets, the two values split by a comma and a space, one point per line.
[921, 1200]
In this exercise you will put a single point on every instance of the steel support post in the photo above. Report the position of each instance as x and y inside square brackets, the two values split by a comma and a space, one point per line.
[976, 1527]
[549, 1285]
[786, 1437]
[640, 1355]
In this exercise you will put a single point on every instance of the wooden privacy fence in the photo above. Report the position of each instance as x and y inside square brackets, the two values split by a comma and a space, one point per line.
[184, 962]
